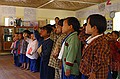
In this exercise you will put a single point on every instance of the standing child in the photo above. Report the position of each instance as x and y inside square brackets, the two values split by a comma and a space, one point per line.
[70, 49]
[39, 40]
[23, 49]
[15, 50]
[96, 52]
[46, 72]
[115, 54]
[32, 54]
[20, 36]
[12, 45]
[54, 61]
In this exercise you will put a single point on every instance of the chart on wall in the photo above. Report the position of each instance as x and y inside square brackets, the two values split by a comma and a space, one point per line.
[29, 14]
[109, 24]
[8, 11]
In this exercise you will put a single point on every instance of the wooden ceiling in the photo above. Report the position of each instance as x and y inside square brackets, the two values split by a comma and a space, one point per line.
[71, 5]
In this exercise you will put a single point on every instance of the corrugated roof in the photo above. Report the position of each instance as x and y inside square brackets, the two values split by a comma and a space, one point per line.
[71, 5]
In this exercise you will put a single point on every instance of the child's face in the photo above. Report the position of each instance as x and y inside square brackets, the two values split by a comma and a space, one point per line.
[32, 36]
[114, 36]
[66, 28]
[56, 21]
[20, 36]
[25, 35]
[109, 35]
[58, 29]
[44, 33]
[88, 29]
[16, 37]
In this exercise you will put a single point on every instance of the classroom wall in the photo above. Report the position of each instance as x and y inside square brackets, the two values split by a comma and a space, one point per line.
[102, 8]
[31, 14]
[50, 13]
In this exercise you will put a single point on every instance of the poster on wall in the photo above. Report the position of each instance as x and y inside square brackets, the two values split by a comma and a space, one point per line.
[109, 24]
[7, 15]
[8, 11]
[29, 14]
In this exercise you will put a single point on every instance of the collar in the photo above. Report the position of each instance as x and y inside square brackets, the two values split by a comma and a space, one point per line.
[70, 34]
[90, 39]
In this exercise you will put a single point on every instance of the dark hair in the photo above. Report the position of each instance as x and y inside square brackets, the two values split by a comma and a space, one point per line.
[57, 18]
[53, 26]
[99, 21]
[116, 32]
[85, 24]
[48, 28]
[60, 22]
[17, 33]
[31, 32]
[26, 31]
[74, 22]
[20, 33]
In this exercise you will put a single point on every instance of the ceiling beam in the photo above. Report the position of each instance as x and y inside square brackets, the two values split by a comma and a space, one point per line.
[84, 2]
[45, 4]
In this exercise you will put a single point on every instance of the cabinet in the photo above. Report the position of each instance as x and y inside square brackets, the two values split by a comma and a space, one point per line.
[7, 33]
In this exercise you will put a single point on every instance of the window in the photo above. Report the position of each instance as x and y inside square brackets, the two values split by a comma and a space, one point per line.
[116, 21]
[85, 21]
[52, 22]
[6, 21]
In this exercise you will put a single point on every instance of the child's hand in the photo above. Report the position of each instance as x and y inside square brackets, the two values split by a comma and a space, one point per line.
[67, 73]
[60, 64]
[92, 76]
[35, 27]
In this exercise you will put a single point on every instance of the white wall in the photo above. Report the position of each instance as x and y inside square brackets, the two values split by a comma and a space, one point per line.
[84, 13]
[50, 13]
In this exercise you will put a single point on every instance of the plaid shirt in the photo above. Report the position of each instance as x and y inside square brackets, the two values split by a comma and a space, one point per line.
[24, 47]
[54, 62]
[95, 58]
[115, 56]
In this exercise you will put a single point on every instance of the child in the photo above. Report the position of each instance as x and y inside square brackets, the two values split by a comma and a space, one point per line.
[96, 52]
[12, 45]
[32, 54]
[39, 40]
[23, 49]
[46, 72]
[54, 62]
[70, 49]
[114, 51]
[15, 50]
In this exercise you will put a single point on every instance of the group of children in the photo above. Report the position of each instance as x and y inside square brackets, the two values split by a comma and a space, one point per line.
[24, 48]
[59, 48]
